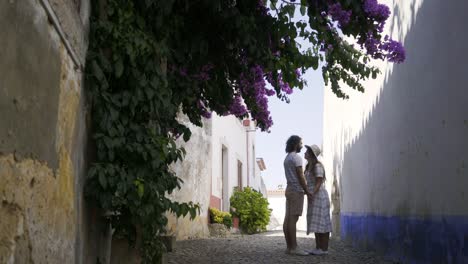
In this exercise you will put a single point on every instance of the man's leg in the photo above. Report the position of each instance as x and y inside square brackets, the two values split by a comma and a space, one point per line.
[287, 215]
[286, 230]
[292, 231]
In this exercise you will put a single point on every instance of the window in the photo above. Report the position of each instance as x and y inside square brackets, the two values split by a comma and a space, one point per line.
[239, 174]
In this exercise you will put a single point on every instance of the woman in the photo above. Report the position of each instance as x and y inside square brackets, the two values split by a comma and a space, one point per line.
[318, 207]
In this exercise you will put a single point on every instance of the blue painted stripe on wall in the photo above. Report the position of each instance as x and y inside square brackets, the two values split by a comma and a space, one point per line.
[435, 239]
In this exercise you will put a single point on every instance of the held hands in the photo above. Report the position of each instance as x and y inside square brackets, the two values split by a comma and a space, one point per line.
[309, 195]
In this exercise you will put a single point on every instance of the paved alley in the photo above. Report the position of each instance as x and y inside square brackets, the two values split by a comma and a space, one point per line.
[263, 248]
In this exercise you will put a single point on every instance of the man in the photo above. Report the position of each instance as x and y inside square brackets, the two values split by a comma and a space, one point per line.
[295, 190]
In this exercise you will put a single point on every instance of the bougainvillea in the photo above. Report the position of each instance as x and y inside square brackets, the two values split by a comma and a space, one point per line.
[267, 50]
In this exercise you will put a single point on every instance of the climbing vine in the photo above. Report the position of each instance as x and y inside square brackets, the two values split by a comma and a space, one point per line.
[151, 60]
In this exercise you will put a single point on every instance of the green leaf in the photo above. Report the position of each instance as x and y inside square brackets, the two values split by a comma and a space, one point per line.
[102, 180]
[140, 188]
[273, 5]
[119, 68]
[303, 10]
[315, 62]
[97, 71]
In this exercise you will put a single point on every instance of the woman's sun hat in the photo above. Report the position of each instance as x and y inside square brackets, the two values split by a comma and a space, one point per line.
[315, 149]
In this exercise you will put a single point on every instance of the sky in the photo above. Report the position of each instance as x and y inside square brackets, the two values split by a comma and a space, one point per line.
[302, 116]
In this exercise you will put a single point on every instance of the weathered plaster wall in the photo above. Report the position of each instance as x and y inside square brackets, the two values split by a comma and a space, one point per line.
[397, 155]
[43, 133]
[30, 77]
[195, 171]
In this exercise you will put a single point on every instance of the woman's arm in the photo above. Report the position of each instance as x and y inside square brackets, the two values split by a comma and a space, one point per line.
[318, 183]
[319, 174]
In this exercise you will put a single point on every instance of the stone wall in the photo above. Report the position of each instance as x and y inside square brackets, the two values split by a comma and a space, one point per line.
[43, 138]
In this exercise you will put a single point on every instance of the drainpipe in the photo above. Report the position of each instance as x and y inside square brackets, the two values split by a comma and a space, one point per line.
[247, 130]
[247, 149]
[105, 247]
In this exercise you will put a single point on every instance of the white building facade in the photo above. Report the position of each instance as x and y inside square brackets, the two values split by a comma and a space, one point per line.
[220, 157]
[233, 159]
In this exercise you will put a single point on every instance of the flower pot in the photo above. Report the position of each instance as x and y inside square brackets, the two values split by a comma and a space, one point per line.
[235, 222]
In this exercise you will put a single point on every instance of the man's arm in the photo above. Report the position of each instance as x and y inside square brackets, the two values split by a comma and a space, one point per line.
[302, 180]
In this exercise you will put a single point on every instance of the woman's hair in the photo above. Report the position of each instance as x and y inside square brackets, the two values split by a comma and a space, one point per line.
[292, 143]
[316, 162]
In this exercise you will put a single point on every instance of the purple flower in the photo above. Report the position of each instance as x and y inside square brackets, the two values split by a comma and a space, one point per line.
[270, 92]
[394, 51]
[206, 114]
[390, 49]
[203, 111]
[371, 45]
[262, 8]
[298, 73]
[237, 108]
[183, 71]
[252, 86]
[377, 12]
[338, 14]
[204, 72]
[284, 86]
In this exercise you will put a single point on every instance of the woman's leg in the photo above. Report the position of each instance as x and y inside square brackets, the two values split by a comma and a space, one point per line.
[317, 240]
[324, 241]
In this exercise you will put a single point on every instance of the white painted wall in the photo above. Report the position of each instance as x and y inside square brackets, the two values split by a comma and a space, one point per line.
[401, 148]
[257, 181]
[202, 169]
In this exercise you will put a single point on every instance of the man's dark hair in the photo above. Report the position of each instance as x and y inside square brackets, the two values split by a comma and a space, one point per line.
[291, 144]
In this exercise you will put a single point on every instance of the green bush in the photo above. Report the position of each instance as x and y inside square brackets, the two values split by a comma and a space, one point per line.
[220, 217]
[252, 209]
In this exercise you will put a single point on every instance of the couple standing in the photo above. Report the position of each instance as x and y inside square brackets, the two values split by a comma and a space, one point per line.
[310, 182]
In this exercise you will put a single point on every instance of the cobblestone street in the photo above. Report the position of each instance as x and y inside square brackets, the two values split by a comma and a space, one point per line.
[263, 248]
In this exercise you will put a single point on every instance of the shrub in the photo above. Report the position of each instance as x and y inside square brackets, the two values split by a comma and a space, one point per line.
[220, 217]
[252, 209]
